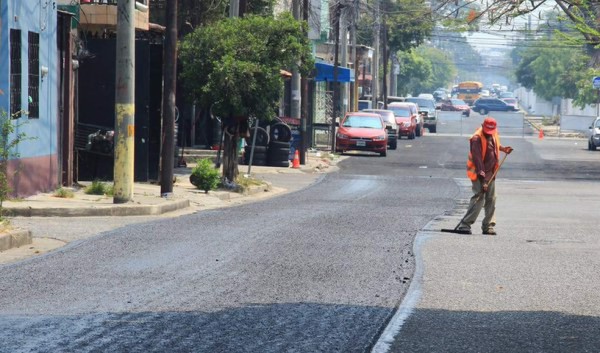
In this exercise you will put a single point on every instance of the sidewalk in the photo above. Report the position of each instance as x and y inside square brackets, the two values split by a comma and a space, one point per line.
[20, 242]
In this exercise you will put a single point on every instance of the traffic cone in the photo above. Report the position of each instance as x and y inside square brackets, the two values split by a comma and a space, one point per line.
[296, 161]
[541, 134]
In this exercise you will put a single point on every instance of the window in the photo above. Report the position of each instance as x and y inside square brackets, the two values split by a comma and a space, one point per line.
[15, 71]
[34, 75]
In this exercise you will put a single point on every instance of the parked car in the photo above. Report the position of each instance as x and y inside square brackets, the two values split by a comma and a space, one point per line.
[390, 125]
[486, 105]
[456, 105]
[406, 115]
[428, 113]
[362, 131]
[506, 95]
[511, 101]
[594, 138]
[426, 95]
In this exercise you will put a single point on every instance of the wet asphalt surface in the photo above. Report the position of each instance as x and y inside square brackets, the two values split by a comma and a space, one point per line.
[322, 269]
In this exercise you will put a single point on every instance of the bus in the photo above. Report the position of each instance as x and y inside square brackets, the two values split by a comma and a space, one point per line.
[469, 91]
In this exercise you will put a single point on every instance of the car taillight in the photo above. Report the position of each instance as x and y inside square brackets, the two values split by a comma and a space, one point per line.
[341, 136]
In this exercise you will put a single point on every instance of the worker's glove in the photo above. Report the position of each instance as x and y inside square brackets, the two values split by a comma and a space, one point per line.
[508, 149]
[485, 187]
[481, 175]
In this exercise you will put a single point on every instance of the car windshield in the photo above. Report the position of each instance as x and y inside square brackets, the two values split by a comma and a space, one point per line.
[510, 100]
[598, 124]
[360, 121]
[386, 115]
[458, 102]
[400, 111]
[421, 102]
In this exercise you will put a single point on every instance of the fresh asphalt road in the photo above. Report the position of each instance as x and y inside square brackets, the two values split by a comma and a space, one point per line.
[318, 270]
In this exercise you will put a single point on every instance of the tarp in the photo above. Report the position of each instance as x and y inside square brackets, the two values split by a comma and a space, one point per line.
[325, 73]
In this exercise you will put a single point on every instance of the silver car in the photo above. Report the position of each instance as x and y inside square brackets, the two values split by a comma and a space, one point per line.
[594, 133]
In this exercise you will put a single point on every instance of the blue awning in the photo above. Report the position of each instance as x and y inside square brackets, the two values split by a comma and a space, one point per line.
[325, 73]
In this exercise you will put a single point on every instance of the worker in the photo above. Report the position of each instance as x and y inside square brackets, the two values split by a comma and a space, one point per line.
[482, 166]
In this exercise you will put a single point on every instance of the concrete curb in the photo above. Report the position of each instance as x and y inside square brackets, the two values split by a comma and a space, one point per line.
[15, 238]
[110, 210]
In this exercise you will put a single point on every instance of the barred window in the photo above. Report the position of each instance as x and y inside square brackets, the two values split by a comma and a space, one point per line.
[15, 71]
[34, 75]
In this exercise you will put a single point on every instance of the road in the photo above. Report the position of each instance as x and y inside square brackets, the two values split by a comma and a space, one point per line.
[322, 269]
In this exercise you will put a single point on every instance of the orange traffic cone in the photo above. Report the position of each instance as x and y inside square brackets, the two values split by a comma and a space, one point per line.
[541, 135]
[296, 161]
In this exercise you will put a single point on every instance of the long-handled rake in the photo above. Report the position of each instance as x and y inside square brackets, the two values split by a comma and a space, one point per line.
[458, 231]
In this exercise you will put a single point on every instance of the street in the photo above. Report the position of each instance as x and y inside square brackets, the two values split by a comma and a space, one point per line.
[325, 268]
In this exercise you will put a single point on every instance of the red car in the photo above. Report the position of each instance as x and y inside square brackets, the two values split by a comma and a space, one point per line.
[406, 118]
[362, 132]
[511, 101]
[456, 105]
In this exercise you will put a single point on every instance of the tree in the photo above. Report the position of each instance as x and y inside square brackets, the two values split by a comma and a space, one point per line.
[233, 66]
[414, 69]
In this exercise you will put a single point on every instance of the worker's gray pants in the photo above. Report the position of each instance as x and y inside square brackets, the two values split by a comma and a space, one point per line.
[481, 200]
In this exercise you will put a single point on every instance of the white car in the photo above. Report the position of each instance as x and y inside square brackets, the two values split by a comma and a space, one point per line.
[594, 133]
[426, 95]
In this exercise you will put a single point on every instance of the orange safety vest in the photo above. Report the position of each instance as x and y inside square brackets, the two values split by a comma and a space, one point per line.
[471, 169]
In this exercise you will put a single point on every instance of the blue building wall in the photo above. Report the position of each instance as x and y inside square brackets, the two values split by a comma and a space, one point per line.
[41, 152]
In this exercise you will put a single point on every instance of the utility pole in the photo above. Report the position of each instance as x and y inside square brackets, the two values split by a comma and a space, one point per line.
[169, 89]
[125, 103]
[336, 83]
[375, 64]
[385, 62]
[234, 8]
[354, 94]
[344, 59]
[304, 98]
[296, 98]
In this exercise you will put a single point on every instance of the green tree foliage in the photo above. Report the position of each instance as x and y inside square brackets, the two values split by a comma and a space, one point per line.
[234, 67]
[553, 71]
[423, 70]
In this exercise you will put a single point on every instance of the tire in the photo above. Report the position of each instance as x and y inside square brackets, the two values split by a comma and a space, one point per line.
[279, 144]
[592, 146]
[257, 149]
[433, 129]
[262, 137]
[280, 132]
[281, 164]
[259, 161]
[483, 111]
[278, 156]
[411, 136]
[383, 154]
[255, 157]
[394, 145]
[418, 131]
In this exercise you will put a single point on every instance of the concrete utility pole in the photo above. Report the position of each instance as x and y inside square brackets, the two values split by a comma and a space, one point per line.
[375, 64]
[344, 59]
[354, 93]
[125, 102]
[304, 98]
[169, 89]
[336, 83]
[296, 98]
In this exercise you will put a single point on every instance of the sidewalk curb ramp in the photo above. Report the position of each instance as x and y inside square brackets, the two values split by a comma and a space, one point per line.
[14, 238]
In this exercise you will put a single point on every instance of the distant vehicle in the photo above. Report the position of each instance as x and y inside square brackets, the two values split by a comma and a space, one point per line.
[594, 139]
[506, 95]
[456, 105]
[511, 101]
[362, 132]
[469, 91]
[485, 93]
[406, 115]
[440, 95]
[427, 111]
[390, 125]
[486, 105]
[426, 95]
[364, 104]
[395, 99]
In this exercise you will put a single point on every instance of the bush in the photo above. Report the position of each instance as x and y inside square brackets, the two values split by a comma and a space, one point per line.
[205, 176]
[64, 193]
[97, 188]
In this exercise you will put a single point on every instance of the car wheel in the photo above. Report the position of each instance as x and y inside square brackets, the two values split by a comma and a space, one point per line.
[483, 111]
[411, 136]
[383, 154]
[592, 146]
[418, 132]
[433, 129]
[394, 145]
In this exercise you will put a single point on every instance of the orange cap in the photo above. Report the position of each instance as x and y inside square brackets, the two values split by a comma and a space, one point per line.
[489, 125]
